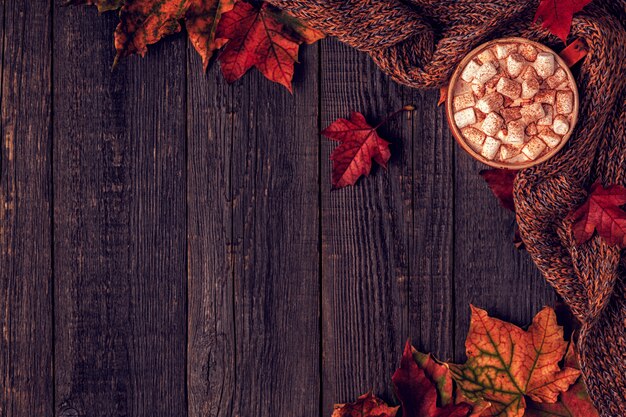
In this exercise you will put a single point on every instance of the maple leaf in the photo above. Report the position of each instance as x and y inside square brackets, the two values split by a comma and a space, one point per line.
[261, 37]
[103, 5]
[418, 394]
[506, 363]
[574, 402]
[556, 15]
[367, 405]
[500, 182]
[601, 213]
[201, 21]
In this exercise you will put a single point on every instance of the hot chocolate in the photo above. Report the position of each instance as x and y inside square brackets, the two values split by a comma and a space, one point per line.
[513, 103]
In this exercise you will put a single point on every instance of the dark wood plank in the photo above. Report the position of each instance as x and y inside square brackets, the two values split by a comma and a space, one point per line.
[430, 290]
[254, 258]
[489, 271]
[365, 237]
[25, 220]
[120, 223]
[212, 108]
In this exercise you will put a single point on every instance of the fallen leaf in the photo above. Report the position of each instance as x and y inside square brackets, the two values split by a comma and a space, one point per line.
[201, 20]
[360, 144]
[261, 37]
[556, 15]
[602, 213]
[367, 405]
[574, 402]
[103, 5]
[500, 182]
[506, 363]
[437, 373]
[418, 394]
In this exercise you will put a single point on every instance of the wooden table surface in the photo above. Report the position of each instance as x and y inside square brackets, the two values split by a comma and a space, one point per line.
[170, 245]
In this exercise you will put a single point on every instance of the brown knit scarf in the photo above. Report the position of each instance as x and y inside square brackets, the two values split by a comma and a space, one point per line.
[420, 42]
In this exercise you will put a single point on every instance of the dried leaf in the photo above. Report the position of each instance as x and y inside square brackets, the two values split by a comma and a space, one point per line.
[500, 181]
[360, 144]
[201, 20]
[418, 394]
[506, 363]
[556, 15]
[602, 213]
[261, 37]
[367, 405]
[574, 402]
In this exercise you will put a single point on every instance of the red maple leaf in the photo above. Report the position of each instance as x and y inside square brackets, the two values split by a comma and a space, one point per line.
[418, 394]
[367, 405]
[261, 37]
[556, 15]
[500, 181]
[602, 213]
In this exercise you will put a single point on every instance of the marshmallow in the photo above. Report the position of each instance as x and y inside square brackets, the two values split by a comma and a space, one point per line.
[490, 147]
[488, 56]
[469, 72]
[485, 72]
[511, 113]
[507, 152]
[528, 51]
[501, 135]
[490, 102]
[465, 117]
[515, 133]
[544, 64]
[504, 49]
[533, 148]
[532, 112]
[560, 125]
[529, 72]
[509, 88]
[463, 101]
[564, 102]
[530, 87]
[546, 97]
[474, 137]
[515, 64]
[478, 90]
[519, 159]
[549, 137]
[531, 129]
[557, 78]
[492, 124]
[547, 119]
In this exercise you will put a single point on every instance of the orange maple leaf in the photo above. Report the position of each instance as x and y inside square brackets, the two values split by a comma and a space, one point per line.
[602, 212]
[367, 405]
[261, 37]
[574, 402]
[506, 363]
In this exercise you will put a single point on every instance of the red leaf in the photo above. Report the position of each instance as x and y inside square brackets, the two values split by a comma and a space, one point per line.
[418, 394]
[261, 37]
[556, 15]
[601, 212]
[359, 145]
[367, 405]
[500, 181]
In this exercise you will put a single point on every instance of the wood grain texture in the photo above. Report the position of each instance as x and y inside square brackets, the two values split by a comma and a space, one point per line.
[25, 221]
[364, 237]
[431, 253]
[489, 272]
[254, 258]
[120, 223]
[213, 106]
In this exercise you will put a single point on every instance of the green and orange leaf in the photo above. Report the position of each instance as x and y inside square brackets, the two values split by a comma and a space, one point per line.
[201, 20]
[505, 363]
[367, 405]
